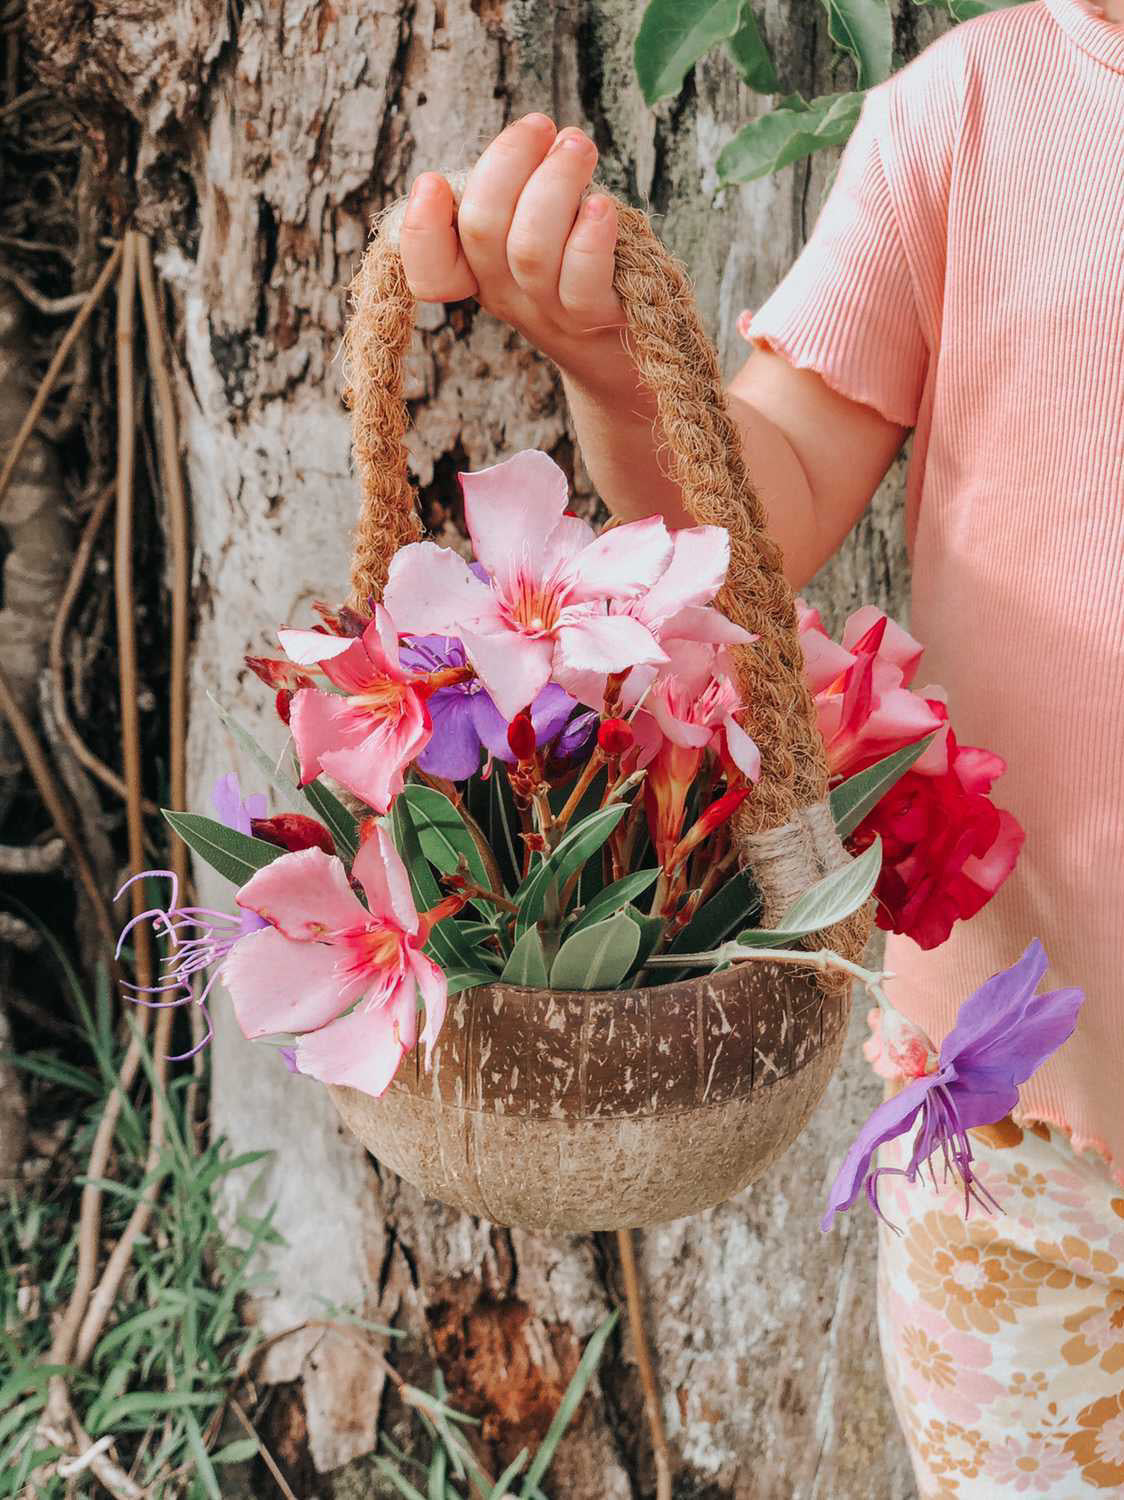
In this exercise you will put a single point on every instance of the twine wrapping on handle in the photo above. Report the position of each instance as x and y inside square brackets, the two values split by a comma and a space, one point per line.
[785, 828]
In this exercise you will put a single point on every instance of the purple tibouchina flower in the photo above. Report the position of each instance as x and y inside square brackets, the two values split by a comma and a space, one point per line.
[1004, 1032]
[466, 721]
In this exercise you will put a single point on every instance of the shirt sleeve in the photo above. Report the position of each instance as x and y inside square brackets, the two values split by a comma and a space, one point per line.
[848, 309]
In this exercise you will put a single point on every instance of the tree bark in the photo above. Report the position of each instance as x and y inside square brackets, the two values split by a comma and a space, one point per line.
[261, 138]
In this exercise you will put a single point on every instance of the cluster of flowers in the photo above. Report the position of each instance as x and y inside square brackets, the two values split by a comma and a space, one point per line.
[946, 847]
[533, 690]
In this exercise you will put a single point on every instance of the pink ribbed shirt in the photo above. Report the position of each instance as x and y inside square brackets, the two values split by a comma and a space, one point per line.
[966, 279]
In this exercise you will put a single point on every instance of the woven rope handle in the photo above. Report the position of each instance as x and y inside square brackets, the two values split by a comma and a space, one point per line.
[785, 829]
[678, 364]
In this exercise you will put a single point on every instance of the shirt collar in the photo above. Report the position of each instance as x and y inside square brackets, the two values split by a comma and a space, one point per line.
[1091, 30]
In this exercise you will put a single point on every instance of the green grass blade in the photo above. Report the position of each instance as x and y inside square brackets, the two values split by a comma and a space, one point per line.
[568, 1405]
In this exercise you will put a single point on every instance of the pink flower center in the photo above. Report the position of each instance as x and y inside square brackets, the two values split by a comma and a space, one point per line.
[382, 698]
[533, 605]
[377, 948]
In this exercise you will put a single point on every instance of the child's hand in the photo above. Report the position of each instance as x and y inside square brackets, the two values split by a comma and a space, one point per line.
[527, 246]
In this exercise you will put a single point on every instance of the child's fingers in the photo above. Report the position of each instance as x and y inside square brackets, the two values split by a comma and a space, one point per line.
[491, 193]
[585, 282]
[544, 215]
[432, 258]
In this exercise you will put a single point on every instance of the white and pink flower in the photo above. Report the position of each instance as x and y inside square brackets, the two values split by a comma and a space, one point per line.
[344, 977]
[543, 613]
[367, 733]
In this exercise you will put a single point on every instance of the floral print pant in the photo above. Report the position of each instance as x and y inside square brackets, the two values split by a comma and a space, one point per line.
[1003, 1334]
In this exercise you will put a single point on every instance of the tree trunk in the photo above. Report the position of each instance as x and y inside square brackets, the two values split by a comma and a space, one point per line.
[262, 138]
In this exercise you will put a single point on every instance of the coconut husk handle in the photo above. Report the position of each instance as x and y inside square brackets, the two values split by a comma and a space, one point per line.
[679, 365]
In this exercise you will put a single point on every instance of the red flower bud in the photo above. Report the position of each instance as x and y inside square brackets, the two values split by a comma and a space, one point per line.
[534, 841]
[283, 703]
[521, 736]
[615, 736]
[293, 831]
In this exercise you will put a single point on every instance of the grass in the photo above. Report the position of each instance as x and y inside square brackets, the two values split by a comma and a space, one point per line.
[175, 1351]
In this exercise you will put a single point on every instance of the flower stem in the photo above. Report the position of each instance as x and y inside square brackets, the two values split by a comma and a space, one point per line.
[800, 958]
[581, 786]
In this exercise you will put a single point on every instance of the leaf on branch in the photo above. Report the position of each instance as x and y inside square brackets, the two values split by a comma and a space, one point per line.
[855, 797]
[597, 957]
[236, 856]
[751, 57]
[797, 128]
[865, 29]
[674, 34]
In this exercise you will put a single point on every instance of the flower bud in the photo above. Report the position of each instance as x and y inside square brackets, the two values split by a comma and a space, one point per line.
[293, 831]
[283, 704]
[521, 736]
[615, 736]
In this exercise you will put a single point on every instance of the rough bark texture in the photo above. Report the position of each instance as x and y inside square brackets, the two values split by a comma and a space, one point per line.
[262, 138]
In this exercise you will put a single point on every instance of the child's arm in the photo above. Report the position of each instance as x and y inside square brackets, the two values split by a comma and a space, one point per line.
[536, 255]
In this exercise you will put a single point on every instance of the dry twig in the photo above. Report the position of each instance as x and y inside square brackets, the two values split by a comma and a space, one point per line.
[644, 1364]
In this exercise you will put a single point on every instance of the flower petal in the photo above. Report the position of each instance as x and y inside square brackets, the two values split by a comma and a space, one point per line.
[308, 647]
[431, 591]
[321, 722]
[306, 895]
[743, 750]
[702, 623]
[512, 508]
[889, 1120]
[364, 1049]
[897, 645]
[454, 748]
[700, 557]
[277, 985]
[604, 643]
[622, 563]
[998, 1002]
[513, 667]
[380, 871]
[434, 990]
[372, 767]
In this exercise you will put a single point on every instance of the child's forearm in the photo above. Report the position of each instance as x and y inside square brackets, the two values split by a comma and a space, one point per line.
[622, 452]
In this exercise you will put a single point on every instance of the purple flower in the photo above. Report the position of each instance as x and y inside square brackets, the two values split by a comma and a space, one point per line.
[466, 722]
[1002, 1034]
[232, 808]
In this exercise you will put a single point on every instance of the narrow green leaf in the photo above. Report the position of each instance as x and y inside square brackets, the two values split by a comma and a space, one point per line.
[723, 914]
[674, 34]
[398, 1481]
[527, 964]
[795, 129]
[836, 896]
[968, 10]
[502, 821]
[240, 1451]
[751, 57]
[285, 785]
[614, 896]
[467, 979]
[203, 1466]
[598, 957]
[438, 1469]
[502, 1486]
[332, 812]
[568, 1406]
[855, 797]
[144, 1403]
[234, 855]
[651, 930]
[447, 946]
[865, 29]
[443, 833]
[574, 848]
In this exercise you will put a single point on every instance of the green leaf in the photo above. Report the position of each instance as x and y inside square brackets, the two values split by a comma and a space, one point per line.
[527, 964]
[967, 10]
[237, 1452]
[234, 855]
[598, 957]
[447, 945]
[398, 1481]
[830, 900]
[467, 979]
[795, 129]
[332, 812]
[203, 1465]
[855, 797]
[272, 772]
[502, 1487]
[144, 1403]
[614, 896]
[751, 55]
[865, 29]
[503, 821]
[651, 930]
[443, 833]
[574, 848]
[568, 1406]
[723, 914]
[674, 34]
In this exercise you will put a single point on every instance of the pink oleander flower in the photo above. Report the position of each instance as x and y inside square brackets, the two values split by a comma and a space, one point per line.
[897, 1049]
[367, 733]
[864, 705]
[542, 616]
[687, 711]
[344, 977]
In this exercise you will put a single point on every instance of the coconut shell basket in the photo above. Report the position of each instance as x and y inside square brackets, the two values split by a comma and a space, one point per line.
[596, 1110]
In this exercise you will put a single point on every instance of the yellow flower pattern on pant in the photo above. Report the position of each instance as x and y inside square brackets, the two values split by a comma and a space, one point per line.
[1003, 1333]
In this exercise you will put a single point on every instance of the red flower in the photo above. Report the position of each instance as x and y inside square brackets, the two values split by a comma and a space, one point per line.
[946, 847]
[521, 737]
[293, 831]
